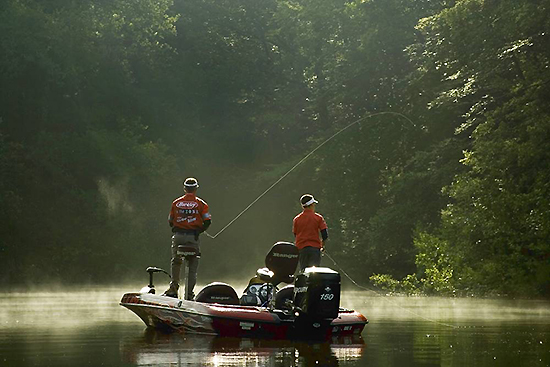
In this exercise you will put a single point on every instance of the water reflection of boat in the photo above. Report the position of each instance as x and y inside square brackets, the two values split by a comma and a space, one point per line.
[156, 348]
[307, 309]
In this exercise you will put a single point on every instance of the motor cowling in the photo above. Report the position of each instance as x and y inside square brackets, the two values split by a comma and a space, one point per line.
[317, 293]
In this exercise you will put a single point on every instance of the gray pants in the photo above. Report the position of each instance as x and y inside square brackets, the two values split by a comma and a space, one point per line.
[309, 256]
[184, 239]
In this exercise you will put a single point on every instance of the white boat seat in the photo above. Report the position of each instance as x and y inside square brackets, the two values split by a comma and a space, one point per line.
[265, 275]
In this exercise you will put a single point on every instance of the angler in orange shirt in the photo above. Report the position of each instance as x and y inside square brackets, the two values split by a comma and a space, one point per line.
[188, 217]
[306, 227]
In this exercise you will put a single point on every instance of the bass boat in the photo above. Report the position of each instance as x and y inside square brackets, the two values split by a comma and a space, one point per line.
[308, 307]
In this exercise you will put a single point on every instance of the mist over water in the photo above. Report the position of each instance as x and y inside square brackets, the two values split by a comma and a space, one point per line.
[456, 311]
[71, 327]
[95, 305]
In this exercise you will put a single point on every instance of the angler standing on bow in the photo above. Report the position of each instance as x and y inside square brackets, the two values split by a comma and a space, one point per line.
[188, 217]
[307, 226]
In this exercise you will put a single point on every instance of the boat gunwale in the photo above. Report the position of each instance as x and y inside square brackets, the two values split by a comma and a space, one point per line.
[275, 318]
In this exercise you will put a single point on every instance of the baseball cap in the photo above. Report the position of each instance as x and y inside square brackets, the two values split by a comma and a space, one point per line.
[191, 182]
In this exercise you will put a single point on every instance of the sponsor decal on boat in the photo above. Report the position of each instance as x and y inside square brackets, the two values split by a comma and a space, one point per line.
[220, 298]
[246, 325]
[288, 256]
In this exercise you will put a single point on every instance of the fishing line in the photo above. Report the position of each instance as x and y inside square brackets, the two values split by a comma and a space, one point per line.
[350, 278]
[296, 166]
[302, 160]
[378, 293]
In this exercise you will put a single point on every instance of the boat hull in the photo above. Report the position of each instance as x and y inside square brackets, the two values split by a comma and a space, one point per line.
[237, 321]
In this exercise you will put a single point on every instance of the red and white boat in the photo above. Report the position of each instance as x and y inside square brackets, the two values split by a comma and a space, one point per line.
[307, 309]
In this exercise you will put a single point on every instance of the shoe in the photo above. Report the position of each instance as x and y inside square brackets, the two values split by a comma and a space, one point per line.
[192, 298]
[172, 291]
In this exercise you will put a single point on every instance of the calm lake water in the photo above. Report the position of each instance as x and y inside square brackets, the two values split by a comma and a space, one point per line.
[89, 328]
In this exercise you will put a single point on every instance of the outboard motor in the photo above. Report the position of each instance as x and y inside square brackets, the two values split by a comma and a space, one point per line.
[317, 293]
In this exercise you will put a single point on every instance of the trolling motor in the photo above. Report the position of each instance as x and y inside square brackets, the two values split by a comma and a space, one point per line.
[151, 287]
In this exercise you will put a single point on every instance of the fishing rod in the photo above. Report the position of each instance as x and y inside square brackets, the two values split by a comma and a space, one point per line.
[303, 160]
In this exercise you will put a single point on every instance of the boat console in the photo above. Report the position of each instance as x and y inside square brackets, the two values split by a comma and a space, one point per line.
[280, 264]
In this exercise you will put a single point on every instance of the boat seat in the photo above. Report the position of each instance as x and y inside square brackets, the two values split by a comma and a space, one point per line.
[218, 292]
[282, 296]
[265, 275]
[188, 251]
[282, 260]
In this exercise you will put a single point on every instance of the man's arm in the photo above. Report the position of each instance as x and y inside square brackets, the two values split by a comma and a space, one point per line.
[324, 234]
[205, 224]
[206, 217]
[171, 217]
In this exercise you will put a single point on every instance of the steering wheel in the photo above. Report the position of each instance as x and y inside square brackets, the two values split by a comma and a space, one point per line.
[265, 293]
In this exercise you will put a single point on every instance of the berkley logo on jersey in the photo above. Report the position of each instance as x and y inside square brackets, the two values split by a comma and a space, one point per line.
[187, 204]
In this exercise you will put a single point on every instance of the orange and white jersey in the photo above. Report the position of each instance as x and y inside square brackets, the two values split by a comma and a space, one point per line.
[188, 212]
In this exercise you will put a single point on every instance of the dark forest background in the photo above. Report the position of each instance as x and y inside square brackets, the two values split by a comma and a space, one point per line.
[106, 106]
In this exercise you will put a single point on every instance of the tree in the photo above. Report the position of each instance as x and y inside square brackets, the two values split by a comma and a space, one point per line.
[493, 57]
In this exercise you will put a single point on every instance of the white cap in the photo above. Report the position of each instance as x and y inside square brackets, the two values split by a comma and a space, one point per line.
[191, 182]
[307, 200]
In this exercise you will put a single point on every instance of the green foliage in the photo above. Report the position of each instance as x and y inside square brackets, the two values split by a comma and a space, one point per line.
[105, 106]
[500, 211]
[493, 224]
[61, 142]
[435, 264]
[408, 285]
